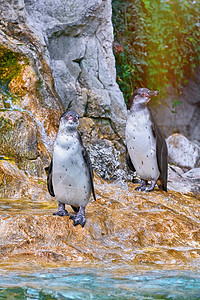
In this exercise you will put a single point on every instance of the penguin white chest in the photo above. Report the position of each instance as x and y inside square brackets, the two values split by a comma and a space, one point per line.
[71, 181]
[141, 145]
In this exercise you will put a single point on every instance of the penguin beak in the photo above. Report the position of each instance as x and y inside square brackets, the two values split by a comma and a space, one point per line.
[70, 119]
[73, 119]
[153, 93]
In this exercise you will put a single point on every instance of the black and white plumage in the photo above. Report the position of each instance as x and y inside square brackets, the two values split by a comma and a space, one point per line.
[146, 146]
[70, 175]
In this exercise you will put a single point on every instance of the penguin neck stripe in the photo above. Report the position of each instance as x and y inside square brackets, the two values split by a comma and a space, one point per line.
[137, 106]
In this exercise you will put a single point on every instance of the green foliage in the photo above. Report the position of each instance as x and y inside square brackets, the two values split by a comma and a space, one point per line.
[175, 103]
[156, 43]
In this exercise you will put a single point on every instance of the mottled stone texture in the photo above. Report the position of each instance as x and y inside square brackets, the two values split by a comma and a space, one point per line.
[124, 227]
[185, 117]
[182, 152]
[70, 65]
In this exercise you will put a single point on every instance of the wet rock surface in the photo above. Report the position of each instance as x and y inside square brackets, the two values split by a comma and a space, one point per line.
[155, 230]
[15, 184]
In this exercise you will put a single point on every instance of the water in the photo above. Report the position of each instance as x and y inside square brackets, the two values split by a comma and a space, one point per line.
[87, 283]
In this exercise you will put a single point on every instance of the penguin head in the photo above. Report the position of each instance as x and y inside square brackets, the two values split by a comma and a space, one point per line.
[142, 96]
[69, 120]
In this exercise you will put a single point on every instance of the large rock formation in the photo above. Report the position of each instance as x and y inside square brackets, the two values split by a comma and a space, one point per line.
[64, 61]
[30, 107]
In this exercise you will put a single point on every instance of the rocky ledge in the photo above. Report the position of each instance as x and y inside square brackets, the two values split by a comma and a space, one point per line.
[123, 226]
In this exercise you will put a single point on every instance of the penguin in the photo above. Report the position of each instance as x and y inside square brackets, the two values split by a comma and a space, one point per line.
[146, 151]
[70, 174]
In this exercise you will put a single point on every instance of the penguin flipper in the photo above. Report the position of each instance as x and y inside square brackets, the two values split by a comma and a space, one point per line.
[89, 165]
[161, 154]
[129, 162]
[131, 166]
[49, 180]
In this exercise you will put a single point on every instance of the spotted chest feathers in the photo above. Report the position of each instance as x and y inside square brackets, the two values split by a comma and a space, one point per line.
[71, 181]
[141, 145]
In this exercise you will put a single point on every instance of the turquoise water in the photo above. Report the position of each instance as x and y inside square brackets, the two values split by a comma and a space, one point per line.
[79, 283]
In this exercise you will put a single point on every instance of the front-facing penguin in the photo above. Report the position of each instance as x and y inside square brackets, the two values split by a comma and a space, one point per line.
[146, 146]
[70, 175]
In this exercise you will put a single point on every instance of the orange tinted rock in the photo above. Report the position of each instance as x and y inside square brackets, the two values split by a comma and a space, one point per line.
[123, 226]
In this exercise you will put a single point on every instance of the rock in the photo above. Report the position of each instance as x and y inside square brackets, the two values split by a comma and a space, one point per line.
[106, 159]
[193, 174]
[105, 147]
[184, 155]
[123, 227]
[28, 125]
[185, 117]
[183, 152]
[22, 142]
[18, 135]
[67, 45]
[1, 102]
[186, 183]
[15, 184]
[82, 61]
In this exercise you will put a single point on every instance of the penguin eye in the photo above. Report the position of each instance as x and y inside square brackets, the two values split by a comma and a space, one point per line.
[145, 94]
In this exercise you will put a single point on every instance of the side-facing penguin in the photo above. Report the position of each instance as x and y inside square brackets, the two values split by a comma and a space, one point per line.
[70, 175]
[146, 146]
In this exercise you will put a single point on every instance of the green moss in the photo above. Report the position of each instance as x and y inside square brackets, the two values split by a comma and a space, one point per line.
[41, 182]
[39, 84]
[9, 99]
[4, 158]
[11, 64]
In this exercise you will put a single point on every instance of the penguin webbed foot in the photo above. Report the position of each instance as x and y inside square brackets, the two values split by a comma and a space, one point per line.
[61, 213]
[142, 187]
[61, 210]
[79, 218]
[151, 186]
[135, 180]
